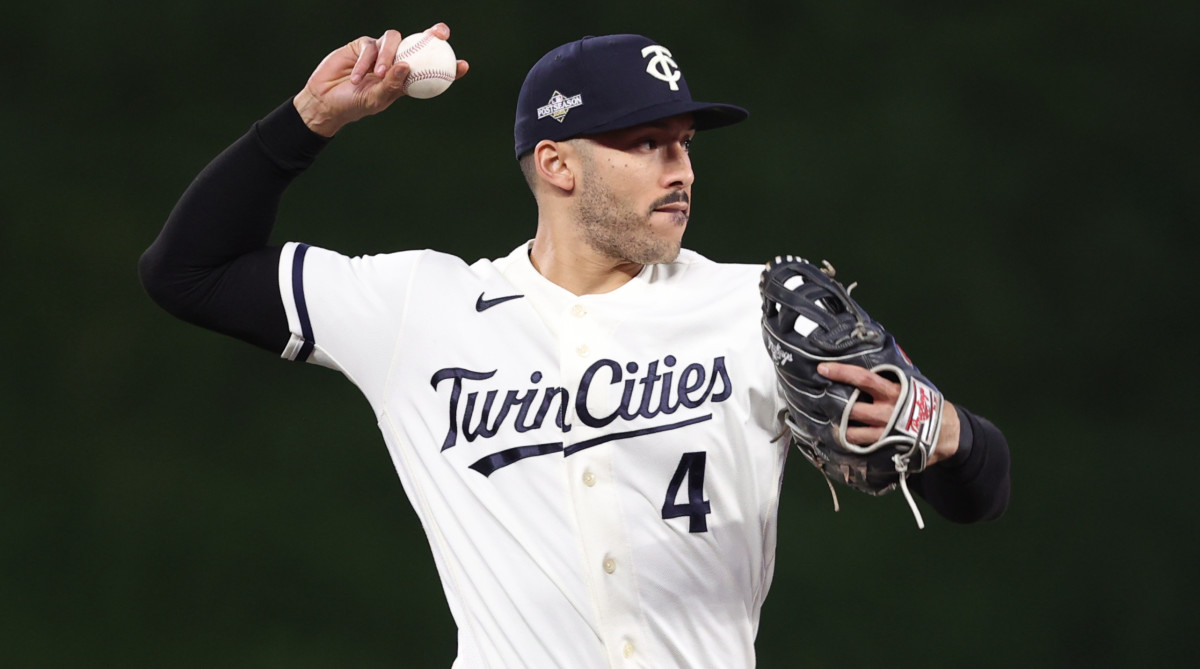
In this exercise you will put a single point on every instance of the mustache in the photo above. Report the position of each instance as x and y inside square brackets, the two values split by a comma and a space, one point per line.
[678, 196]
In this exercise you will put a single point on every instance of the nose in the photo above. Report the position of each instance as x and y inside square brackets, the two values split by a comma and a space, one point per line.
[678, 173]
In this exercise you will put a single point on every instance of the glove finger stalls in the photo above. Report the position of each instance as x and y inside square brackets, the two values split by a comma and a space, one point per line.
[871, 414]
[864, 436]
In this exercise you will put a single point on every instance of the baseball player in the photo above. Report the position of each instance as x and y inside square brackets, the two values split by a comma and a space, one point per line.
[587, 426]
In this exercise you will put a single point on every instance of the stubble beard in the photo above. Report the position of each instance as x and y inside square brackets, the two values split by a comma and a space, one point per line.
[612, 228]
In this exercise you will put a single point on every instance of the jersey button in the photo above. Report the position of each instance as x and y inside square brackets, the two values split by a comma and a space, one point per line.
[583, 350]
[610, 565]
[589, 479]
[578, 311]
[627, 650]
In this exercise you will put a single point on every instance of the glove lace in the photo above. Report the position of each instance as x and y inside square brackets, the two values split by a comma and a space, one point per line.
[902, 469]
[791, 429]
[862, 330]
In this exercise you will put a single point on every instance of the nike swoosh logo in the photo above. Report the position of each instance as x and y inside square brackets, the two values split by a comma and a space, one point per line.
[483, 305]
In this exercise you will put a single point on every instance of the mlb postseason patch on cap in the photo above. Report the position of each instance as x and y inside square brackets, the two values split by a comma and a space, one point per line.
[558, 106]
[606, 83]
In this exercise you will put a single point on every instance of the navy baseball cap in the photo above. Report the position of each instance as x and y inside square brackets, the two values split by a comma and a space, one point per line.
[606, 83]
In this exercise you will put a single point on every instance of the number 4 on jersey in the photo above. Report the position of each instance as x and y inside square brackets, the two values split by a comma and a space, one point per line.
[691, 467]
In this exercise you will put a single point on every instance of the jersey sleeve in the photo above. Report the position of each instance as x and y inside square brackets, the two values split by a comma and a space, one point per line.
[346, 313]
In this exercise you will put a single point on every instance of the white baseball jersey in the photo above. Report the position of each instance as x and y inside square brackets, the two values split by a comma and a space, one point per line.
[597, 475]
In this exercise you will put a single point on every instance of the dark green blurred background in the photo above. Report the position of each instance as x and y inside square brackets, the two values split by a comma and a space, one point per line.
[1010, 183]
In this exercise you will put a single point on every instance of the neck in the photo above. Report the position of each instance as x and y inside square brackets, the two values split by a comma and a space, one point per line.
[575, 266]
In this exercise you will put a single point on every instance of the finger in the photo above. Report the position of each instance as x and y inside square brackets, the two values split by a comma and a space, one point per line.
[380, 95]
[461, 70]
[393, 84]
[367, 50]
[398, 73]
[388, 45]
[879, 388]
[863, 436]
[875, 414]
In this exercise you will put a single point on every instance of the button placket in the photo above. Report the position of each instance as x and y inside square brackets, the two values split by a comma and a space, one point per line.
[611, 575]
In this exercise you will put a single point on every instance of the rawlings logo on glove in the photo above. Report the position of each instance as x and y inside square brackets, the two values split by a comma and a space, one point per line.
[810, 318]
[778, 355]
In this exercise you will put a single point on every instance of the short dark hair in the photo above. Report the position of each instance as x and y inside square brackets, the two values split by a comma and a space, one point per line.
[529, 170]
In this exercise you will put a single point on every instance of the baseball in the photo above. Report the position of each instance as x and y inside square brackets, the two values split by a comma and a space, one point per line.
[433, 65]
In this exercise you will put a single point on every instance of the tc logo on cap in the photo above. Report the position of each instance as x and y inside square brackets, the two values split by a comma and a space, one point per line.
[662, 66]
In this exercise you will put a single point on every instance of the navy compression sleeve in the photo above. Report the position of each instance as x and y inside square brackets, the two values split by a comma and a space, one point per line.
[973, 485]
[211, 264]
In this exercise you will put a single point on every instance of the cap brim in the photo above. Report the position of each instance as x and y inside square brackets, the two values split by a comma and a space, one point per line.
[708, 115]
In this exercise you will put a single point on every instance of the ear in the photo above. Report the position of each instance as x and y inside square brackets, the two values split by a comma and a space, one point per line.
[556, 164]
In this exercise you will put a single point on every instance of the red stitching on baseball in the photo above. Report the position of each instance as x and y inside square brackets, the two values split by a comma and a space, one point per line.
[426, 74]
[415, 48]
[430, 74]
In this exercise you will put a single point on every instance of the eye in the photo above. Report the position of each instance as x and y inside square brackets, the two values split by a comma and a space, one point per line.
[687, 145]
[649, 143]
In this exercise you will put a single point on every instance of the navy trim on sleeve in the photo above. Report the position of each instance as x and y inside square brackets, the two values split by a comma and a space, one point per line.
[306, 330]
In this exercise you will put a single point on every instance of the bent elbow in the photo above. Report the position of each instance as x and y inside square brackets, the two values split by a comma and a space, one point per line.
[167, 283]
[153, 273]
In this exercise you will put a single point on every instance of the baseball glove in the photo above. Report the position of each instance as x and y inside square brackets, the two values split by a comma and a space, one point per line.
[810, 318]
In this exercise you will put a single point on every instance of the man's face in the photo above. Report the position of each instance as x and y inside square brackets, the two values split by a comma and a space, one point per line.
[636, 190]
